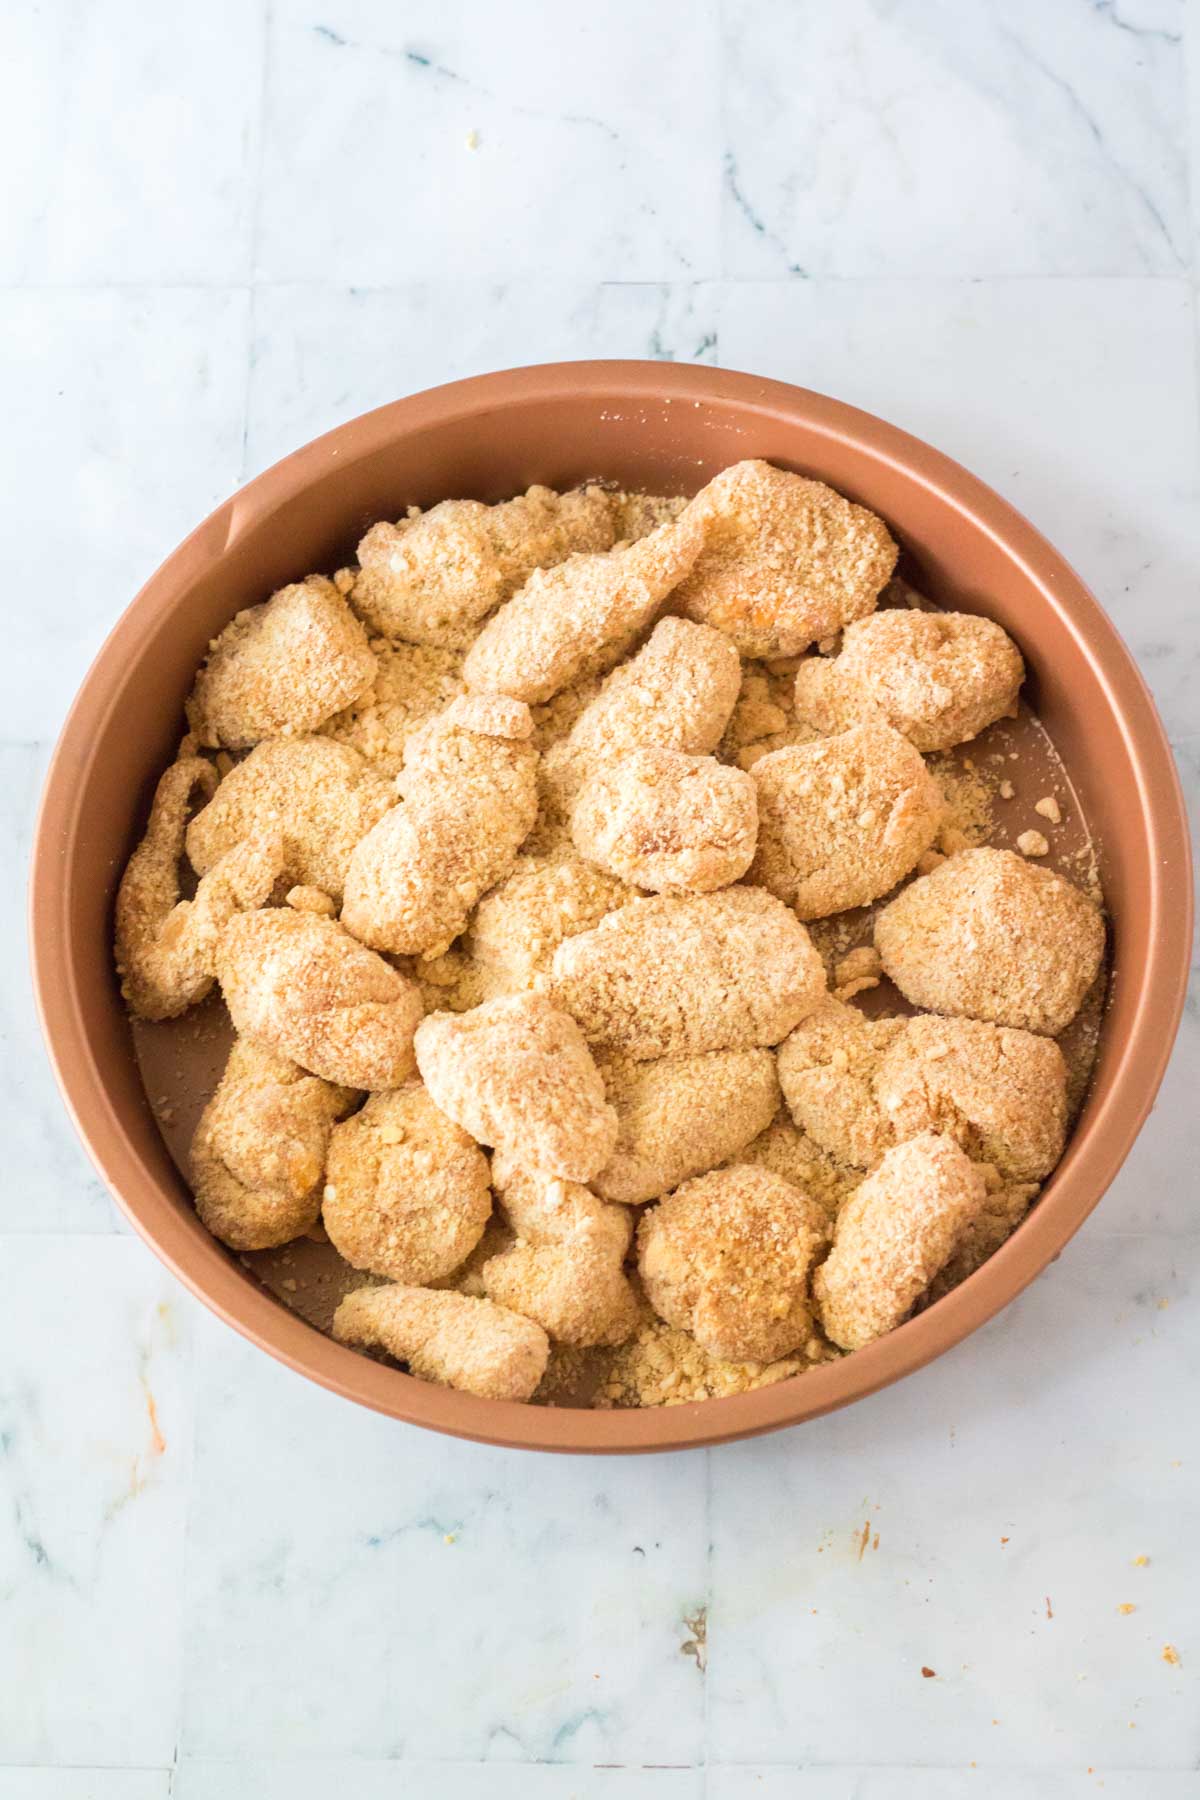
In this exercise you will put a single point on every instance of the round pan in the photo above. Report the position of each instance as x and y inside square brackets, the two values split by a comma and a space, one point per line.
[658, 427]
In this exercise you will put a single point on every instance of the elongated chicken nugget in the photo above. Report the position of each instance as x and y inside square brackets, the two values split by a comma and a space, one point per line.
[682, 1116]
[436, 575]
[937, 678]
[318, 796]
[786, 561]
[519, 925]
[412, 682]
[580, 617]
[281, 668]
[517, 1074]
[303, 986]
[1001, 1094]
[676, 977]
[828, 1069]
[728, 1257]
[677, 693]
[258, 1155]
[166, 947]
[470, 798]
[843, 819]
[992, 936]
[893, 1236]
[448, 1338]
[407, 1193]
[666, 821]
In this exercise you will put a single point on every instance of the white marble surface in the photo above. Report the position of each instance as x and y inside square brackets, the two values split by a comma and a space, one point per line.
[231, 225]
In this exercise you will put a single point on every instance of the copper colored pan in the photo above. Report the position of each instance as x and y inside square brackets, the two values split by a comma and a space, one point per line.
[662, 428]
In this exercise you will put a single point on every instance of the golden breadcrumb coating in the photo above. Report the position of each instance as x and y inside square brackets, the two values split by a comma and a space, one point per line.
[994, 937]
[676, 977]
[318, 796]
[894, 1235]
[937, 678]
[258, 1155]
[166, 947]
[667, 821]
[519, 925]
[448, 1338]
[407, 1193]
[470, 798]
[565, 1267]
[786, 1150]
[676, 693]
[435, 576]
[412, 681]
[1004, 1206]
[661, 1366]
[682, 1116]
[843, 819]
[1001, 1094]
[304, 987]
[580, 617]
[728, 1256]
[281, 668]
[311, 900]
[828, 1069]
[577, 1294]
[517, 1074]
[544, 1209]
[786, 561]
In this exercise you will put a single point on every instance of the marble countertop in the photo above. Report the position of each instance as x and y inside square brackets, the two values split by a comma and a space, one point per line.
[231, 225]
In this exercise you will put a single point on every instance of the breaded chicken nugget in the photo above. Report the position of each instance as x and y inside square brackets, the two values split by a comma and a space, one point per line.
[412, 682]
[303, 986]
[677, 977]
[544, 1209]
[517, 1074]
[281, 668]
[565, 1269]
[318, 796]
[1004, 1207]
[937, 678]
[786, 561]
[828, 1069]
[728, 1257]
[470, 798]
[1001, 1094]
[992, 936]
[580, 617]
[166, 947]
[519, 925]
[666, 821]
[448, 1338]
[259, 1151]
[894, 1235]
[636, 515]
[435, 576]
[786, 1150]
[843, 819]
[578, 1294]
[407, 1193]
[682, 1116]
[677, 693]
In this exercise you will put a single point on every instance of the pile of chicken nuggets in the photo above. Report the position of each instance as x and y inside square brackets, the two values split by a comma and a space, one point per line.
[504, 845]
